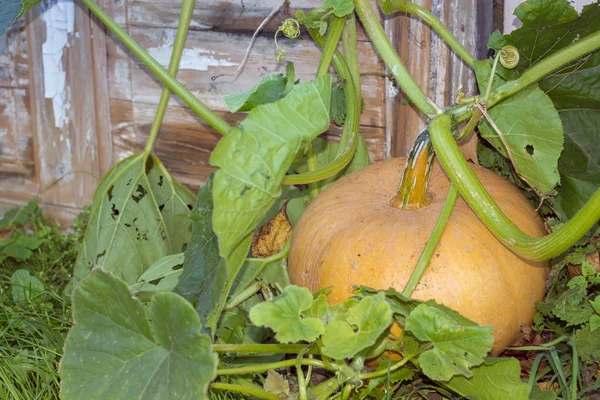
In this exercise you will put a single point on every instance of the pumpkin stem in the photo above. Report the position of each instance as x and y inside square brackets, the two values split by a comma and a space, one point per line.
[412, 189]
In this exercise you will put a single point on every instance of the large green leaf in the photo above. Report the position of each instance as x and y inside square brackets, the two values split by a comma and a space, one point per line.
[531, 128]
[10, 10]
[578, 104]
[549, 26]
[207, 278]
[139, 214]
[458, 344]
[117, 349]
[496, 378]
[285, 315]
[364, 323]
[254, 157]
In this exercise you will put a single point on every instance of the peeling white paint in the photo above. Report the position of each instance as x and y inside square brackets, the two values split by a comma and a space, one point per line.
[195, 58]
[60, 21]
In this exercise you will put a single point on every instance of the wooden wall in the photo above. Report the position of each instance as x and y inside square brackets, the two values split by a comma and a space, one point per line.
[110, 98]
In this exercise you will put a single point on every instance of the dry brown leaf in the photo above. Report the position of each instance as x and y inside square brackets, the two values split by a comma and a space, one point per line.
[469, 149]
[271, 237]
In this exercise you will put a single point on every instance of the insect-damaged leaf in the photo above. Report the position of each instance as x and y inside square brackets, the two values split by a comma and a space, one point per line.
[254, 157]
[139, 214]
[532, 130]
[161, 276]
[547, 29]
[117, 349]
[458, 344]
[285, 315]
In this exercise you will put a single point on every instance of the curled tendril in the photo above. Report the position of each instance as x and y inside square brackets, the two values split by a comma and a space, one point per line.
[509, 57]
[290, 29]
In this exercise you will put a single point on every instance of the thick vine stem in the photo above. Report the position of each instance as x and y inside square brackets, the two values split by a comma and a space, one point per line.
[469, 187]
[188, 98]
[334, 33]
[392, 6]
[351, 125]
[370, 21]
[185, 17]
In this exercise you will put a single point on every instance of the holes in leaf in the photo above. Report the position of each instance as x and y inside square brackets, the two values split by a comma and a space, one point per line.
[110, 192]
[529, 149]
[114, 211]
[190, 207]
[140, 193]
[160, 180]
[177, 267]
[100, 255]
[149, 164]
[128, 182]
[160, 208]
[155, 281]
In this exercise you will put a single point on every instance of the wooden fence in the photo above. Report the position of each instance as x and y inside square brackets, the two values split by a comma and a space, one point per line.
[73, 101]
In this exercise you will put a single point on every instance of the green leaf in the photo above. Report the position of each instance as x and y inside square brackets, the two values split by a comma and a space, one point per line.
[539, 394]
[207, 278]
[119, 350]
[588, 344]
[268, 90]
[340, 8]
[254, 157]
[596, 304]
[594, 322]
[548, 26]
[285, 315]
[571, 306]
[363, 325]
[532, 130]
[139, 215]
[458, 344]
[338, 104]
[12, 10]
[579, 110]
[496, 378]
[161, 276]
[25, 287]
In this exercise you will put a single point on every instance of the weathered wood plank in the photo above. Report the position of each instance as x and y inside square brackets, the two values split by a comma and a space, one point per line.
[211, 53]
[16, 139]
[241, 17]
[66, 148]
[14, 68]
[185, 141]
[101, 93]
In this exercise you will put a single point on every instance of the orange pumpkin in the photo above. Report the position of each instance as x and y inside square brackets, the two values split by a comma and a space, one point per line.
[351, 235]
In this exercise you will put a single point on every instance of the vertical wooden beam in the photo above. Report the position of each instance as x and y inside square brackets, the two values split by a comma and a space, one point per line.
[66, 156]
[436, 69]
[101, 93]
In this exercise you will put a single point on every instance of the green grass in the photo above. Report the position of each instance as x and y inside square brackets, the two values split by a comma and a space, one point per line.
[32, 334]
[33, 327]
